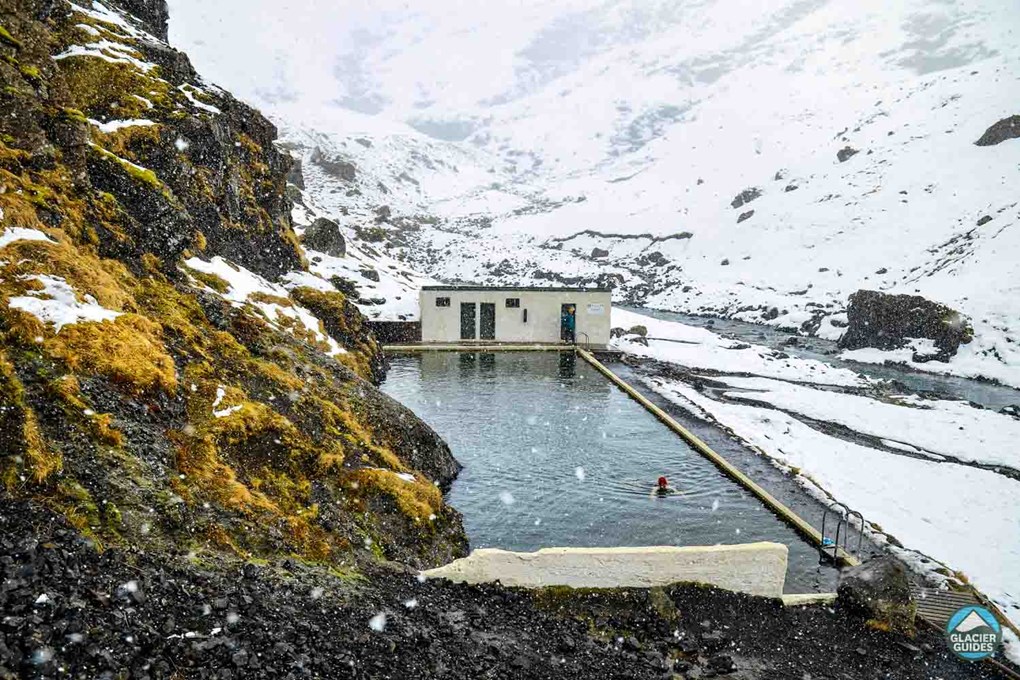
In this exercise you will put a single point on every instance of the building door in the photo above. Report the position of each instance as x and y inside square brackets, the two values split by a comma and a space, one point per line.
[487, 326]
[467, 321]
[568, 322]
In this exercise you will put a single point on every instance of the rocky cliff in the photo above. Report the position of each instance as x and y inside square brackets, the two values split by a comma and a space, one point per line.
[171, 376]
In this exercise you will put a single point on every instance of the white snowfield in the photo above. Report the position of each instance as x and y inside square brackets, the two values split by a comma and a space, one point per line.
[942, 511]
[536, 132]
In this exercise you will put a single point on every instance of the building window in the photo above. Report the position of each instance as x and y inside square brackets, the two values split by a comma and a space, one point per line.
[525, 316]
[442, 302]
[513, 303]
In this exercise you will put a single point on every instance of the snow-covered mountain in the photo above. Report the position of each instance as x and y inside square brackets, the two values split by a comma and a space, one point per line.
[747, 159]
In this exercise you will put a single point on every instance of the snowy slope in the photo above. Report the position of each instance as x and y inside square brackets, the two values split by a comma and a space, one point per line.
[941, 477]
[517, 137]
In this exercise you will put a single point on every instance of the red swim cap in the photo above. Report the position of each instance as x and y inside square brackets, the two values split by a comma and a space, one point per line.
[663, 481]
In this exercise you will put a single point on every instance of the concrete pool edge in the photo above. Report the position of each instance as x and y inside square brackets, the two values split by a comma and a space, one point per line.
[752, 568]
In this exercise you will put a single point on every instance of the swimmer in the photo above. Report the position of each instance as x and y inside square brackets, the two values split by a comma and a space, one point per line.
[663, 488]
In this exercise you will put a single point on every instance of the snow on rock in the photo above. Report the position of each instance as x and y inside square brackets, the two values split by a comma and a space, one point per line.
[115, 125]
[248, 288]
[12, 234]
[58, 304]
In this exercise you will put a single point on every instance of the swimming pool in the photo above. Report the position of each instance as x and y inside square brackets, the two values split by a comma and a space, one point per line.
[555, 455]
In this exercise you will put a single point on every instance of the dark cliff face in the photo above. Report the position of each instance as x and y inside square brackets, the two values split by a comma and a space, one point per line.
[153, 14]
[142, 396]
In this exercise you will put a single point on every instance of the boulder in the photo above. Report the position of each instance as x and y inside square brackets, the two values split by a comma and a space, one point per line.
[879, 590]
[324, 236]
[745, 197]
[340, 169]
[370, 274]
[1007, 128]
[597, 253]
[888, 321]
[745, 216]
[846, 153]
[985, 219]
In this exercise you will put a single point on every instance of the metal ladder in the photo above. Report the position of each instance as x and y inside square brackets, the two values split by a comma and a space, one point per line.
[830, 546]
[587, 341]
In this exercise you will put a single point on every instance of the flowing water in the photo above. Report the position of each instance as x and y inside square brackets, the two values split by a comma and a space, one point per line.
[988, 395]
[555, 455]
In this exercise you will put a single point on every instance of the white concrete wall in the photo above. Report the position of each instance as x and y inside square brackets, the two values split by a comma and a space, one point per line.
[442, 324]
[753, 568]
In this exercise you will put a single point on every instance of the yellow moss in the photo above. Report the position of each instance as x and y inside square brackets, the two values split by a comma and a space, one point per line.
[200, 241]
[210, 280]
[198, 460]
[6, 37]
[74, 502]
[102, 425]
[128, 351]
[259, 296]
[27, 456]
[152, 263]
[140, 174]
[31, 73]
[340, 321]
[131, 143]
[100, 87]
[417, 500]
[108, 281]
[67, 390]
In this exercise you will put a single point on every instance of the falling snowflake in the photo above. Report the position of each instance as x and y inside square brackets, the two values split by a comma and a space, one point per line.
[181, 144]
[42, 656]
[579, 473]
[412, 603]
[422, 578]
[378, 622]
[316, 593]
[233, 617]
[715, 505]
[506, 497]
[538, 521]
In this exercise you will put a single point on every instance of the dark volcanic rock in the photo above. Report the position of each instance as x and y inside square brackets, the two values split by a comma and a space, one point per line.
[154, 14]
[1007, 128]
[984, 220]
[597, 253]
[324, 236]
[879, 590]
[745, 216]
[342, 170]
[745, 197]
[846, 153]
[886, 322]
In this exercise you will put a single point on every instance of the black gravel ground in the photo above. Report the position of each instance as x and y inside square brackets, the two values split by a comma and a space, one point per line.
[69, 611]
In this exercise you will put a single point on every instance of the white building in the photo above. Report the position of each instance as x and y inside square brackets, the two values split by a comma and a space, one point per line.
[526, 315]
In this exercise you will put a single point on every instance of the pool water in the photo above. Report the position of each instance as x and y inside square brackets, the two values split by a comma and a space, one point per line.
[555, 455]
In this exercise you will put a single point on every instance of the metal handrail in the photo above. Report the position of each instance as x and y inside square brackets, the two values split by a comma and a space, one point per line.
[845, 513]
[587, 340]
